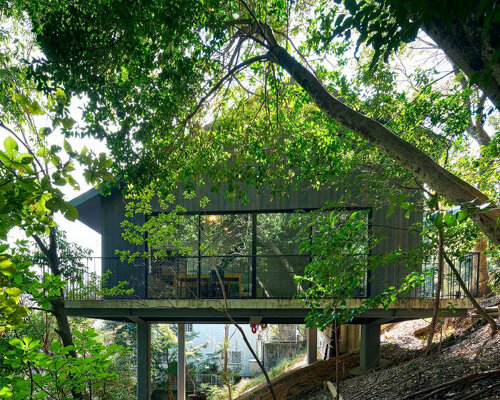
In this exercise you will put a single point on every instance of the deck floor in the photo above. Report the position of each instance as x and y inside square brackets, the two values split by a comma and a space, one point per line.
[242, 310]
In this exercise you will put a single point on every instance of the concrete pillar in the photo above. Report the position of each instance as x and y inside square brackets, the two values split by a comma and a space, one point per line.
[181, 362]
[312, 345]
[370, 346]
[143, 335]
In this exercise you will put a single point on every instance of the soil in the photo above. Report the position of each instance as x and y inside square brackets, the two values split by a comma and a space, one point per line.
[465, 347]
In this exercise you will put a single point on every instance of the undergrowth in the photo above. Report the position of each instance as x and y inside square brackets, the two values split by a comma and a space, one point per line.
[220, 392]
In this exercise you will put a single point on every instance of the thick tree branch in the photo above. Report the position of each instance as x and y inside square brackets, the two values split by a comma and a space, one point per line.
[467, 46]
[477, 306]
[405, 154]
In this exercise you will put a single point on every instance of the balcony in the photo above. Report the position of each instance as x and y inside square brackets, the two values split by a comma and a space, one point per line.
[243, 277]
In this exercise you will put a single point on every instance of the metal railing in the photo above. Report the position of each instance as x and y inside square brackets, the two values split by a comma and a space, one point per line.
[468, 268]
[243, 277]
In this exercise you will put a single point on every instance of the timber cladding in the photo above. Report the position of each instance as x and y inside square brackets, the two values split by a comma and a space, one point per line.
[355, 196]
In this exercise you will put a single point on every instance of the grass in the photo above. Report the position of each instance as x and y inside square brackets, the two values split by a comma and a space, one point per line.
[219, 392]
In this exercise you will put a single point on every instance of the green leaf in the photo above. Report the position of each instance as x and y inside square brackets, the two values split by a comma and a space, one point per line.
[10, 146]
[391, 210]
[67, 146]
[60, 96]
[25, 158]
[70, 211]
[67, 122]
[14, 292]
[5, 263]
[462, 214]
[450, 219]
[438, 222]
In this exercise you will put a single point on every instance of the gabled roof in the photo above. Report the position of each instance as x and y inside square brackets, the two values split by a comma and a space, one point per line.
[88, 205]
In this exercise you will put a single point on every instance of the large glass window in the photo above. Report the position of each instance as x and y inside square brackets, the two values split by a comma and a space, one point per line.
[226, 235]
[254, 255]
[279, 257]
[276, 235]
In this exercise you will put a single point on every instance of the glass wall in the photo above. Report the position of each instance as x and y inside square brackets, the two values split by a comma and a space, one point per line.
[253, 255]
[278, 253]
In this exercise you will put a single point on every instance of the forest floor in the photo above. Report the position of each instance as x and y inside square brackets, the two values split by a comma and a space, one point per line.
[465, 347]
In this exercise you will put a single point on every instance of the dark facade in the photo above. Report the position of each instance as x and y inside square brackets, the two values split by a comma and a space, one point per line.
[251, 265]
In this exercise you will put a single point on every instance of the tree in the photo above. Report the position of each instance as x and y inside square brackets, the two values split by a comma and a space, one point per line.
[465, 30]
[159, 67]
[340, 250]
[31, 173]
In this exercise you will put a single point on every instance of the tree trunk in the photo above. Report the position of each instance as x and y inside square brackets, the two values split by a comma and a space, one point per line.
[227, 377]
[482, 268]
[435, 316]
[58, 308]
[405, 154]
[477, 306]
[337, 361]
[467, 46]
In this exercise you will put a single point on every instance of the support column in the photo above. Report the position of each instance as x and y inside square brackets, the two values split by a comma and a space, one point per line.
[312, 345]
[143, 334]
[181, 362]
[370, 346]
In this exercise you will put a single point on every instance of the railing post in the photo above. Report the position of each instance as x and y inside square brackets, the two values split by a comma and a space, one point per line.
[198, 285]
[254, 256]
[478, 271]
[369, 272]
[181, 362]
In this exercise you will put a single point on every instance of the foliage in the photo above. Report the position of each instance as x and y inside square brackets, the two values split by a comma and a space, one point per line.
[341, 251]
[387, 25]
[29, 370]
[32, 170]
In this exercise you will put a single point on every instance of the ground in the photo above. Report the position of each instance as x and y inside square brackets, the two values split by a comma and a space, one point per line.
[465, 348]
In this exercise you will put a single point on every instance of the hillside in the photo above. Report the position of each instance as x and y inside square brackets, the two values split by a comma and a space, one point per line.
[469, 348]
[466, 347]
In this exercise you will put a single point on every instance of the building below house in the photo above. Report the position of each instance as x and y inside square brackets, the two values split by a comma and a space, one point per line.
[213, 336]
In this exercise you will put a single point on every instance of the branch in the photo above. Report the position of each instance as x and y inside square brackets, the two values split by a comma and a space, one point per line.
[41, 245]
[217, 86]
[22, 142]
[432, 390]
[442, 181]
[245, 339]
[483, 391]
[469, 295]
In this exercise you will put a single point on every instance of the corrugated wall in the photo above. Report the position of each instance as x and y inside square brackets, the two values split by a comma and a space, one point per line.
[393, 228]
[113, 213]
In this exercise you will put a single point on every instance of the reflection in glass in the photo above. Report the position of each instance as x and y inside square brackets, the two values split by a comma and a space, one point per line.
[229, 234]
[276, 235]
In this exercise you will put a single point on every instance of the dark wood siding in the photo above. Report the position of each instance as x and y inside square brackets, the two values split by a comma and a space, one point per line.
[113, 213]
[395, 228]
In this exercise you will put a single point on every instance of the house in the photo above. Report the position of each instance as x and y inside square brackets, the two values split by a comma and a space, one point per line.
[256, 254]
